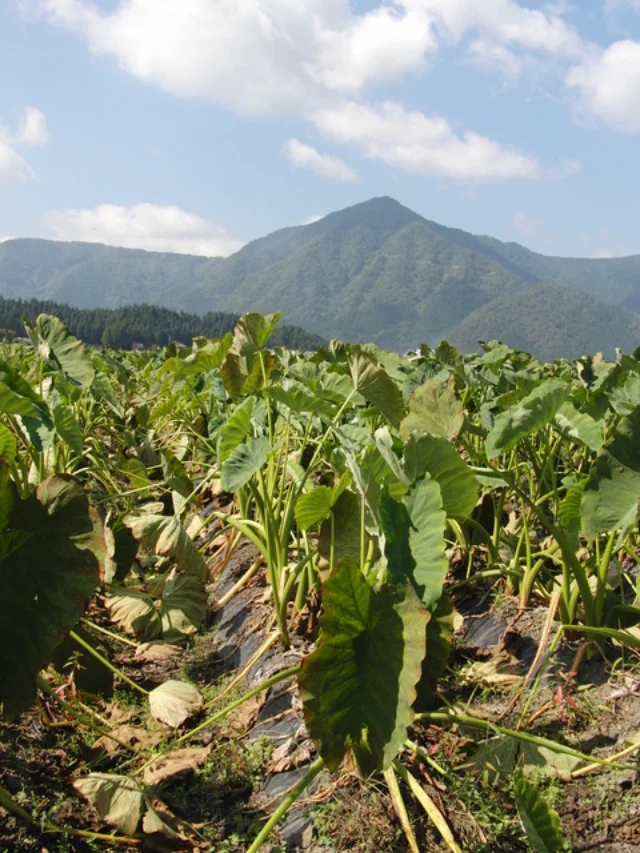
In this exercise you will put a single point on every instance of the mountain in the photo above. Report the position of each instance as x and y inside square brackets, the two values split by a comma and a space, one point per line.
[373, 272]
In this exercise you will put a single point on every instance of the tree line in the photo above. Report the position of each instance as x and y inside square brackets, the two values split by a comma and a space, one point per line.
[149, 325]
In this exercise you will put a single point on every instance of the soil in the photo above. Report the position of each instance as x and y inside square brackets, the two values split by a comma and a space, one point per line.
[261, 750]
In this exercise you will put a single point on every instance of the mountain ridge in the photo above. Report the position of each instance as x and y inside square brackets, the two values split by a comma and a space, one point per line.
[376, 271]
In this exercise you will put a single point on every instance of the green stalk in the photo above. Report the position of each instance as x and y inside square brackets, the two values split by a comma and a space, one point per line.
[96, 654]
[286, 804]
[603, 569]
[449, 718]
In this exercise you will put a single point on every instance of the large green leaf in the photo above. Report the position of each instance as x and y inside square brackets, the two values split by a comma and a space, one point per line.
[252, 332]
[245, 461]
[569, 513]
[299, 399]
[236, 429]
[358, 686]
[529, 415]
[8, 446]
[168, 538]
[434, 409]
[612, 492]
[573, 423]
[347, 512]
[314, 506]
[426, 539]
[51, 555]
[68, 427]
[439, 638]
[374, 383]
[17, 397]
[55, 344]
[539, 820]
[443, 463]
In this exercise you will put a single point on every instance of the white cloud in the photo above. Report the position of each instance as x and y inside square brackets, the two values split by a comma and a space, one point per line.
[269, 56]
[491, 55]
[417, 143]
[609, 85]
[315, 217]
[305, 157]
[32, 130]
[153, 227]
[4, 239]
[253, 56]
[13, 167]
[613, 6]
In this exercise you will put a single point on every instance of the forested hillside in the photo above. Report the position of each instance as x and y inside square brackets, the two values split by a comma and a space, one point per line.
[145, 324]
[373, 272]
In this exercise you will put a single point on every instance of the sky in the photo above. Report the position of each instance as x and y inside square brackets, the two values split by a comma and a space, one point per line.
[198, 125]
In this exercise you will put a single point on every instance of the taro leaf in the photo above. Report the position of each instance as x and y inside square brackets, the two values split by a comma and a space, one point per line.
[612, 493]
[184, 606]
[252, 332]
[8, 445]
[414, 544]
[440, 630]
[179, 762]
[315, 506]
[541, 823]
[122, 548]
[152, 824]
[236, 429]
[374, 383]
[443, 463]
[118, 800]
[52, 553]
[245, 461]
[569, 514]
[168, 538]
[346, 514]
[299, 399]
[90, 675]
[384, 443]
[17, 397]
[174, 702]
[175, 474]
[55, 344]
[579, 426]
[135, 613]
[68, 428]
[358, 686]
[529, 415]
[434, 409]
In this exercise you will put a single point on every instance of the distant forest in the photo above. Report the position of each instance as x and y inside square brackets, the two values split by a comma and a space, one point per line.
[144, 324]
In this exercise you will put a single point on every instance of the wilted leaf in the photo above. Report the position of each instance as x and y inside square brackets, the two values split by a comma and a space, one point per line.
[168, 538]
[117, 799]
[135, 613]
[180, 762]
[183, 607]
[174, 702]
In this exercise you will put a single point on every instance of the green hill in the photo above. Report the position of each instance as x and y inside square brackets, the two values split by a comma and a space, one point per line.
[373, 272]
[551, 322]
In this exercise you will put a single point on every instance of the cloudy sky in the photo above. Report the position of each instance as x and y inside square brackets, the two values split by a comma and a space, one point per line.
[197, 125]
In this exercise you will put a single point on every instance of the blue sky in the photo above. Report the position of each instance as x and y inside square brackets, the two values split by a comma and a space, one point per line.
[199, 125]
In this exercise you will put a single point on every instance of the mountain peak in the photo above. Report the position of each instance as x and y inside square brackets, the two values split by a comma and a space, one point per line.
[382, 212]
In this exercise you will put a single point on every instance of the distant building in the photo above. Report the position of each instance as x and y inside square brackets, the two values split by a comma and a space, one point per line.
[136, 346]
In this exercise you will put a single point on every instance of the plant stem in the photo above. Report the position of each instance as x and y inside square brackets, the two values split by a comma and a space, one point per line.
[114, 669]
[286, 804]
